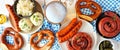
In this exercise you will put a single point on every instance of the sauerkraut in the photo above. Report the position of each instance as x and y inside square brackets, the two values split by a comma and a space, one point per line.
[25, 7]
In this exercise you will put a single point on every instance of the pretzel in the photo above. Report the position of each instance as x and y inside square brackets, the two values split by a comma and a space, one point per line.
[18, 40]
[89, 4]
[43, 34]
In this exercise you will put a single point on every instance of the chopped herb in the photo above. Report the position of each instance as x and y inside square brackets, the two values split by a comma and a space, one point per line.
[25, 24]
[114, 17]
[36, 19]
[33, 16]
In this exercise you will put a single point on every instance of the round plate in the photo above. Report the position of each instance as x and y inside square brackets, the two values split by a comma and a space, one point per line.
[35, 28]
[86, 27]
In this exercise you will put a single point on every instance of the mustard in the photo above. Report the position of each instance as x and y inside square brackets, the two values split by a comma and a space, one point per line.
[2, 18]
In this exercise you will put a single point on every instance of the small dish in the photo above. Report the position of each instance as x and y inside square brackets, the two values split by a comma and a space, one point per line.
[114, 43]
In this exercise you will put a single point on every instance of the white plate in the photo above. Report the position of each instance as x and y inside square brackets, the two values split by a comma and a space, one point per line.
[86, 27]
[3, 47]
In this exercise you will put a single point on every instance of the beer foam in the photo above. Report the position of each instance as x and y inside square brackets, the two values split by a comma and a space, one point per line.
[55, 12]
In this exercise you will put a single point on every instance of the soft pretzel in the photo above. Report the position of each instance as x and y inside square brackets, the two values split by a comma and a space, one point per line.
[18, 40]
[43, 34]
[14, 18]
[109, 25]
[89, 4]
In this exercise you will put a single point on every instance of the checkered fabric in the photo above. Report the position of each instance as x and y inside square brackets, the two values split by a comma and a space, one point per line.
[112, 5]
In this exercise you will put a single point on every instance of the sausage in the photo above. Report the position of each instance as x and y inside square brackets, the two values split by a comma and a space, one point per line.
[14, 18]
[69, 46]
[65, 30]
[81, 41]
[71, 33]
[109, 26]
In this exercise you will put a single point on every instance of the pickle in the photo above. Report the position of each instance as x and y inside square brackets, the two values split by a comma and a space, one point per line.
[105, 45]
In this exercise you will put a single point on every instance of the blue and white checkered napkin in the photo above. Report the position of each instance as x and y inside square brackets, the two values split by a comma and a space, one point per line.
[1, 29]
[112, 5]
